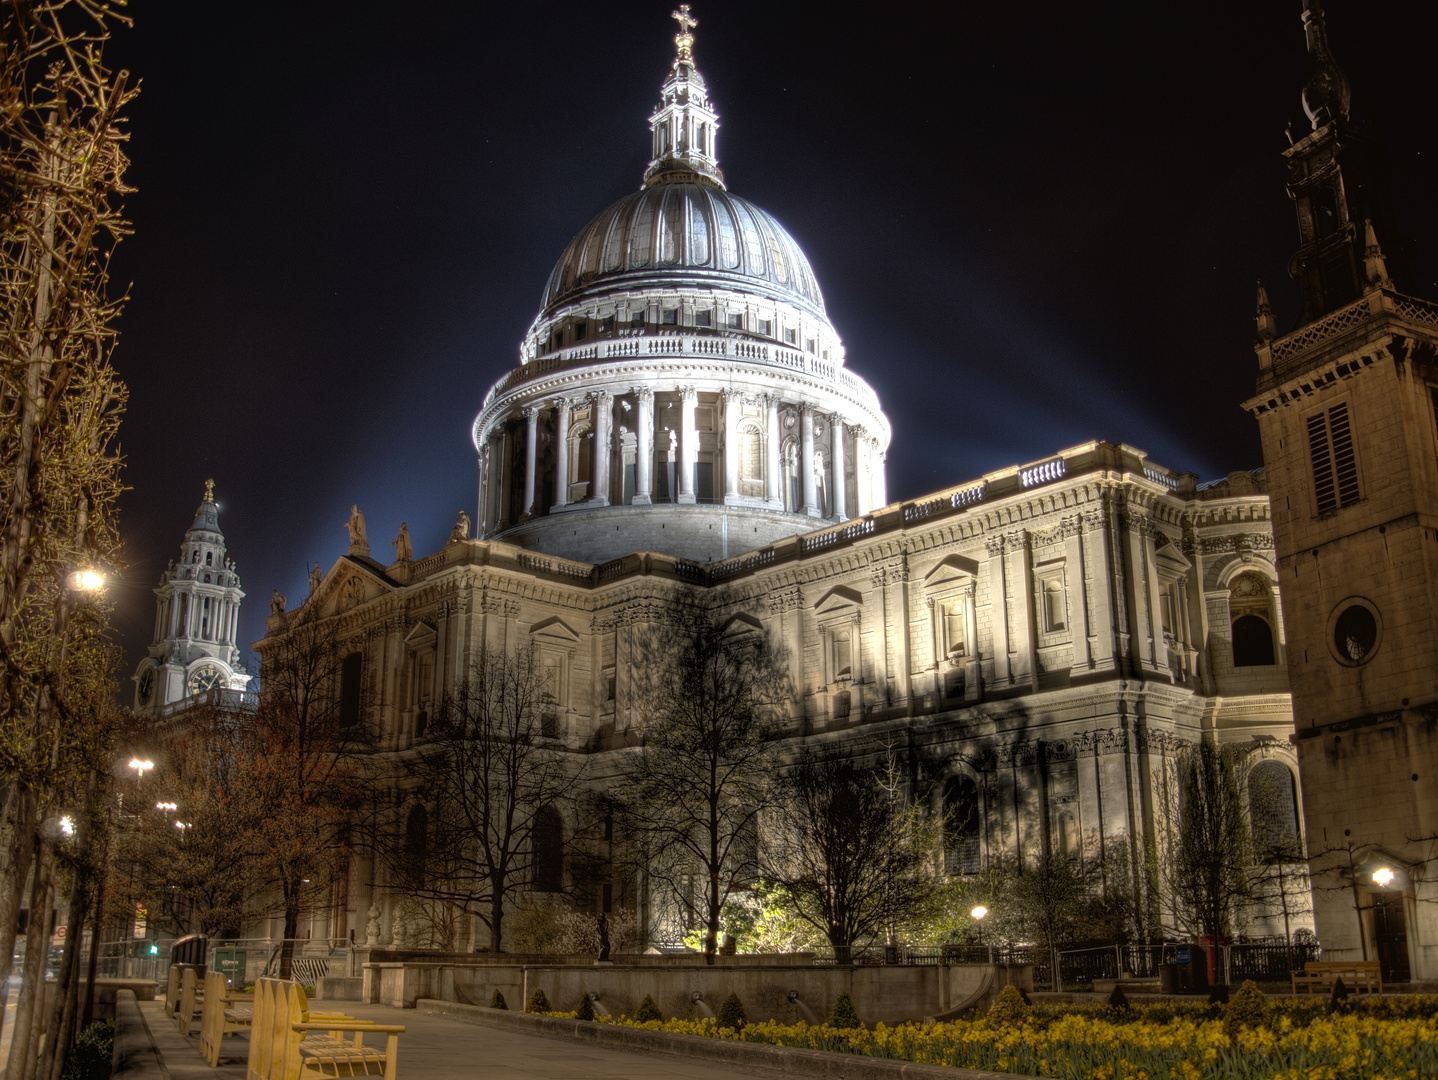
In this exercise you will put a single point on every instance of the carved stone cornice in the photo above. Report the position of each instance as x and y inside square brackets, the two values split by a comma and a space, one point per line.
[790, 599]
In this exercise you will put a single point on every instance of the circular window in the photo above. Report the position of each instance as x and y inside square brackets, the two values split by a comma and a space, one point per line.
[1354, 631]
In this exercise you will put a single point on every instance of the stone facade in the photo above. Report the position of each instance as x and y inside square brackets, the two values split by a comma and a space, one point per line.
[1039, 642]
[1346, 405]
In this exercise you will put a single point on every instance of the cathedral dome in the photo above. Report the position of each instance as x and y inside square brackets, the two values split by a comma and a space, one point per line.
[694, 233]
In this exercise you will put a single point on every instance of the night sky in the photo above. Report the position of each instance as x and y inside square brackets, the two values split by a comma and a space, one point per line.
[1034, 224]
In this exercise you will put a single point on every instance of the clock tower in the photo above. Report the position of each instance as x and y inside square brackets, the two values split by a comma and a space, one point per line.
[1346, 405]
[194, 650]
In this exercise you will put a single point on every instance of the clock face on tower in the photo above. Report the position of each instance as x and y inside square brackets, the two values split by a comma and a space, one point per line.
[205, 677]
[147, 685]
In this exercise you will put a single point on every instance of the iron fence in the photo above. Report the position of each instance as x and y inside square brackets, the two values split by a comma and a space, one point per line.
[1260, 961]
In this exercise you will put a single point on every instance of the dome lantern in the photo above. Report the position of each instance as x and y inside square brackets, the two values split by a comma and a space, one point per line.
[684, 126]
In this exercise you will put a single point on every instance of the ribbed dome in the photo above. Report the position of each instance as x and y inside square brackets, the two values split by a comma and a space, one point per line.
[693, 234]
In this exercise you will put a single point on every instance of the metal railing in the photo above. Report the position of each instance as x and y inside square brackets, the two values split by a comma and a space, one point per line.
[1260, 961]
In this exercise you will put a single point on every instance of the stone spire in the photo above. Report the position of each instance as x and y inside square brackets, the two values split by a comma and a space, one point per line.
[684, 126]
[1267, 325]
[1326, 93]
[1375, 266]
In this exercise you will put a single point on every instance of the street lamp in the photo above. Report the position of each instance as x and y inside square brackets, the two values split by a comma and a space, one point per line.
[977, 913]
[87, 581]
[141, 766]
[1383, 876]
[167, 806]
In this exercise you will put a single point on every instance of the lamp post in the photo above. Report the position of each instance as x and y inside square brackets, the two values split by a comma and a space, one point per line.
[977, 914]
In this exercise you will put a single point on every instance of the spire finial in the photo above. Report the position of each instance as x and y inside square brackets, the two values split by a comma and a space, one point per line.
[1326, 93]
[1375, 266]
[684, 40]
[1267, 325]
[209, 491]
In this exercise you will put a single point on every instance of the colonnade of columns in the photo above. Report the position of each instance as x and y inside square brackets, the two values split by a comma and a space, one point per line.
[497, 480]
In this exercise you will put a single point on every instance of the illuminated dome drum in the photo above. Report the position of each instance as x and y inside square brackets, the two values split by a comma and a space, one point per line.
[682, 389]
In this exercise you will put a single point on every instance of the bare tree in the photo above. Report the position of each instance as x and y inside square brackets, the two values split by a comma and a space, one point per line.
[487, 798]
[300, 746]
[848, 852]
[707, 697]
[1205, 865]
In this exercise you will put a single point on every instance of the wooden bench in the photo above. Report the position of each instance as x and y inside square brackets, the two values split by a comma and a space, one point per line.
[1319, 976]
[227, 1012]
[172, 992]
[288, 1042]
[192, 999]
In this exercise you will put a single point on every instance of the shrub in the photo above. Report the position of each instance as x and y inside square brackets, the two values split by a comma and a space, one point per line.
[538, 1003]
[731, 1013]
[1118, 1000]
[1218, 995]
[498, 1002]
[89, 1058]
[1338, 1000]
[648, 1011]
[586, 1008]
[1009, 1008]
[1249, 1008]
[844, 1015]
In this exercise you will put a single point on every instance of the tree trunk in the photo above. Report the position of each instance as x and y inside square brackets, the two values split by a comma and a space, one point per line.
[37, 937]
[87, 1017]
[292, 928]
[496, 917]
[61, 1019]
[19, 858]
[711, 937]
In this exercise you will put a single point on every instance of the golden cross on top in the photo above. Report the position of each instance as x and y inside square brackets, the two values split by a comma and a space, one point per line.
[209, 491]
[686, 21]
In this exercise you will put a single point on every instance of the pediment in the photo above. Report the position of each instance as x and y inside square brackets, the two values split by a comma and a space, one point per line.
[422, 633]
[741, 624]
[837, 599]
[951, 568]
[554, 629]
[1171, 560]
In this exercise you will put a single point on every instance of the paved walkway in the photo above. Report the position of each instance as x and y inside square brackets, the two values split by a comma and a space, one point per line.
[440, 1048]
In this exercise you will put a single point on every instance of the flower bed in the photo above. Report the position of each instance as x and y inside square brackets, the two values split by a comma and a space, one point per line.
[1377, 1040]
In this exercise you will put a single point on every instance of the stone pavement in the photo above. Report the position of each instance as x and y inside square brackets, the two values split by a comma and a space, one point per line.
[439, 1048]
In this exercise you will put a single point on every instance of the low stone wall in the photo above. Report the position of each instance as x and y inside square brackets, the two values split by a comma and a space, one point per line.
[779, 1059]
[889, 994]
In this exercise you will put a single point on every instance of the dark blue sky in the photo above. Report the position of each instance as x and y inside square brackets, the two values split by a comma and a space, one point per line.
[1034, 225]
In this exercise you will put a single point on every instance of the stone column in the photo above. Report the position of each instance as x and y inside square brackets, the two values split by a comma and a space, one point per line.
[603, 427]
[999, 606]
[841, 483]
[531, 437]
[482, 525]
[862, 479]
[496, 473]
[644, 448]
[730, 401]
[688, 443]
[881, 487]
[806, 461]
[773, 469]
[561, 453]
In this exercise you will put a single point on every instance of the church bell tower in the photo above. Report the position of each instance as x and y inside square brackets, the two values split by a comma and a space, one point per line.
[1347, 406]
[197, 616]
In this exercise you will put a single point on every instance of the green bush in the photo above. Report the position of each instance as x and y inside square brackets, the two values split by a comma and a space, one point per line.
[586, 1008]
[731, 1013]
[538, 1003]
[89, 1058]
[648, 1011]
[1118, 1000]
[1248, 1008]
[1009, 1008]
[498, 1002]
[844, 1015]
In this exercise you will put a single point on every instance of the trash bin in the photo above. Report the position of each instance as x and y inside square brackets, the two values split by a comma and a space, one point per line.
[1168, 978]
[231, 964]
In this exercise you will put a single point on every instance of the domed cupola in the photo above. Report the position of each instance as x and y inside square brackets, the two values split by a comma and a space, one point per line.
[681, 389]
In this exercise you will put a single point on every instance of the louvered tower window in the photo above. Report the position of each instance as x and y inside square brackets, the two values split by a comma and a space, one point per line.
[1335, 469]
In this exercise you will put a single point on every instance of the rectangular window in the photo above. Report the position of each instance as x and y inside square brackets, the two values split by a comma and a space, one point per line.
[704, 318]
[842, 657]
[791, 336]
[766, 327]
[580, 330]
[636, 317]
[704, 481]
[1335, 466]
[670, 317]
[809, 345]
[350, 689]
[736, 322]
[556, 339]
[607, 326]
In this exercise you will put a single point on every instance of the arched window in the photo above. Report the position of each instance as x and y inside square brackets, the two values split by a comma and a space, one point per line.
[961, 826]
[416, 844]
[1273, 812]
[548, 842]
[351, 672]
[1250, 606]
